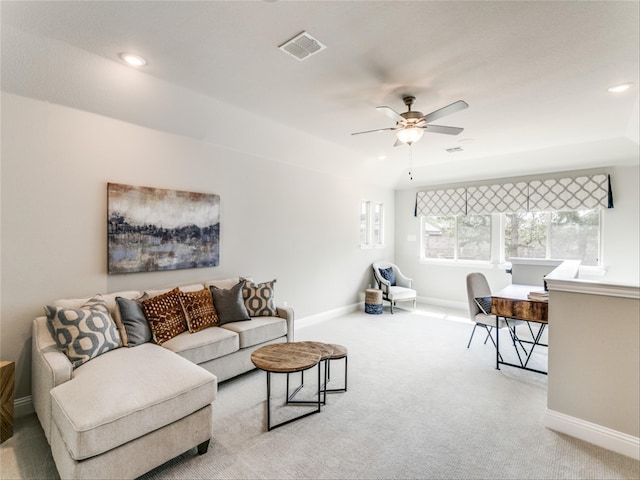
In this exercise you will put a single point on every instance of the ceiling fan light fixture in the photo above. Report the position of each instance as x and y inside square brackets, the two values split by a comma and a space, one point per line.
[133, 59]
[409, 135]
[619, 88]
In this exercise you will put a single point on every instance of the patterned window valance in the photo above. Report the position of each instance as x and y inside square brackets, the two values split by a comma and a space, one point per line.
[442, 202]
[568, 193]
[508, 197]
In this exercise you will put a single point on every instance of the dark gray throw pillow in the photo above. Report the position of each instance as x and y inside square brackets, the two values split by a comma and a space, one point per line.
[485, 304]
[134, 321]
[229, 304]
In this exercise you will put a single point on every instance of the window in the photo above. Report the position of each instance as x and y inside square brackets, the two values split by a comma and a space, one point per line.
[364, 223]
[378, 230]
[371, 224]
[457, 237]
[569, 235]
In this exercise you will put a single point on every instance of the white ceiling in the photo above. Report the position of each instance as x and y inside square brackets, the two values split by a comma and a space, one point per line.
[535, 74]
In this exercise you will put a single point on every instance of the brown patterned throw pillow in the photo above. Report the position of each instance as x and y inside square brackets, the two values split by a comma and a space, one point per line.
[165, 316]
[199, 309]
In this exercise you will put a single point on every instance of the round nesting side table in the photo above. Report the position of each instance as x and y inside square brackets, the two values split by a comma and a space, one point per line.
[339, 352]
[287, 358]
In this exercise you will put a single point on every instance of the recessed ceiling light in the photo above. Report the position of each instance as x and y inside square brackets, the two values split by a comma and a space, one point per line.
[619, 88]
[133, 60]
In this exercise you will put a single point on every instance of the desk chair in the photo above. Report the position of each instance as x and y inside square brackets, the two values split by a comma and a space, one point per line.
[480, 311]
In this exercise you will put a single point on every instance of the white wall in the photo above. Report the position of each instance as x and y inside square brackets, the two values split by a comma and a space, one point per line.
[277, 220]
[446, 283]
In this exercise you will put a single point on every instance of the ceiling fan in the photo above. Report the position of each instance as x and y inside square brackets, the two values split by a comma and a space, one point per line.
[411, 124]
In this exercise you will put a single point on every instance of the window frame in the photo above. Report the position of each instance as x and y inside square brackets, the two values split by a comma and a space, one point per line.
[456, 248]
[497, 242]
[368, 208]
[548, 241]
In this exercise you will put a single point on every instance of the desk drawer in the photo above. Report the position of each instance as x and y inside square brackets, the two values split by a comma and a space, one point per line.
[521, 309]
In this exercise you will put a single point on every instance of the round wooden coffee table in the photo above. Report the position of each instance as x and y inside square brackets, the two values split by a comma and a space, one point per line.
[288, 358]
[339, 352]
[327, 353]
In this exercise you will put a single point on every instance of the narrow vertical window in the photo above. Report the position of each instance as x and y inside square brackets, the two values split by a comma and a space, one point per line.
[378, 224]
[365, 239]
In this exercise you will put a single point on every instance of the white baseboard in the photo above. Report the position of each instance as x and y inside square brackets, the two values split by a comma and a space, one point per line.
[22, 406]
[444, 303]
[593, 433]
[310, 320]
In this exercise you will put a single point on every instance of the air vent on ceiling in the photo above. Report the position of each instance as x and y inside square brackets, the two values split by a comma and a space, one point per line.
[454, 149]
[302, 46]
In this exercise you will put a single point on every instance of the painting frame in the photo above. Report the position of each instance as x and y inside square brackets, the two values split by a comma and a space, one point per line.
[153, 229]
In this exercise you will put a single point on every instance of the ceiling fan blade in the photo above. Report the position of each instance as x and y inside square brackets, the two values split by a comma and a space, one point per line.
[443, 129]
[391, 113]
[373, 131]
[448, 110]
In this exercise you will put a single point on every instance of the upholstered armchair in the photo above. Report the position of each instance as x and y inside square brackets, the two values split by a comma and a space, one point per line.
[394, 285]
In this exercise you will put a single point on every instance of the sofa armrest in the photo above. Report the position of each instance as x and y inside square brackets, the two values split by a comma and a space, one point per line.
[288, 315]
[49, 367]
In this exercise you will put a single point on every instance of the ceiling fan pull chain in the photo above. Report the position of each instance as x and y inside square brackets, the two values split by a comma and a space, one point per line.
[410, 162]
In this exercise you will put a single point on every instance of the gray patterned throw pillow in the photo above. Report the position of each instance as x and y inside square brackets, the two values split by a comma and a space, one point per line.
[83, 333]
[484, 303]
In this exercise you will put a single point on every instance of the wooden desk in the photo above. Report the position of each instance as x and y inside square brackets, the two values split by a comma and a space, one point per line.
[7, 371]
[512, 303]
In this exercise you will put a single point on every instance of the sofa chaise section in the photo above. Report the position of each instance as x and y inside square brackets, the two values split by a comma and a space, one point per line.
[130, 409]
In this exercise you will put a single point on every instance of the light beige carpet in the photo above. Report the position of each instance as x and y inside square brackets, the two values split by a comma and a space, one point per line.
[419, 405]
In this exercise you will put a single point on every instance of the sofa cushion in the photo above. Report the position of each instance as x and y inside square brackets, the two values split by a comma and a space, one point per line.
[165, 315]
[131, 321]
[223, 283]
[109, 298]
[83, 333]
[126, 394]
[229, 304]
[184, 288]
[258, 330]
[259, 298]
[208, 344]
[199, 310]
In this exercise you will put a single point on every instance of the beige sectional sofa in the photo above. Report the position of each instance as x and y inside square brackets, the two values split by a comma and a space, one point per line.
[131, 409]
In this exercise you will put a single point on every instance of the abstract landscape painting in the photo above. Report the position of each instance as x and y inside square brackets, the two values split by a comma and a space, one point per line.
[153, 229]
